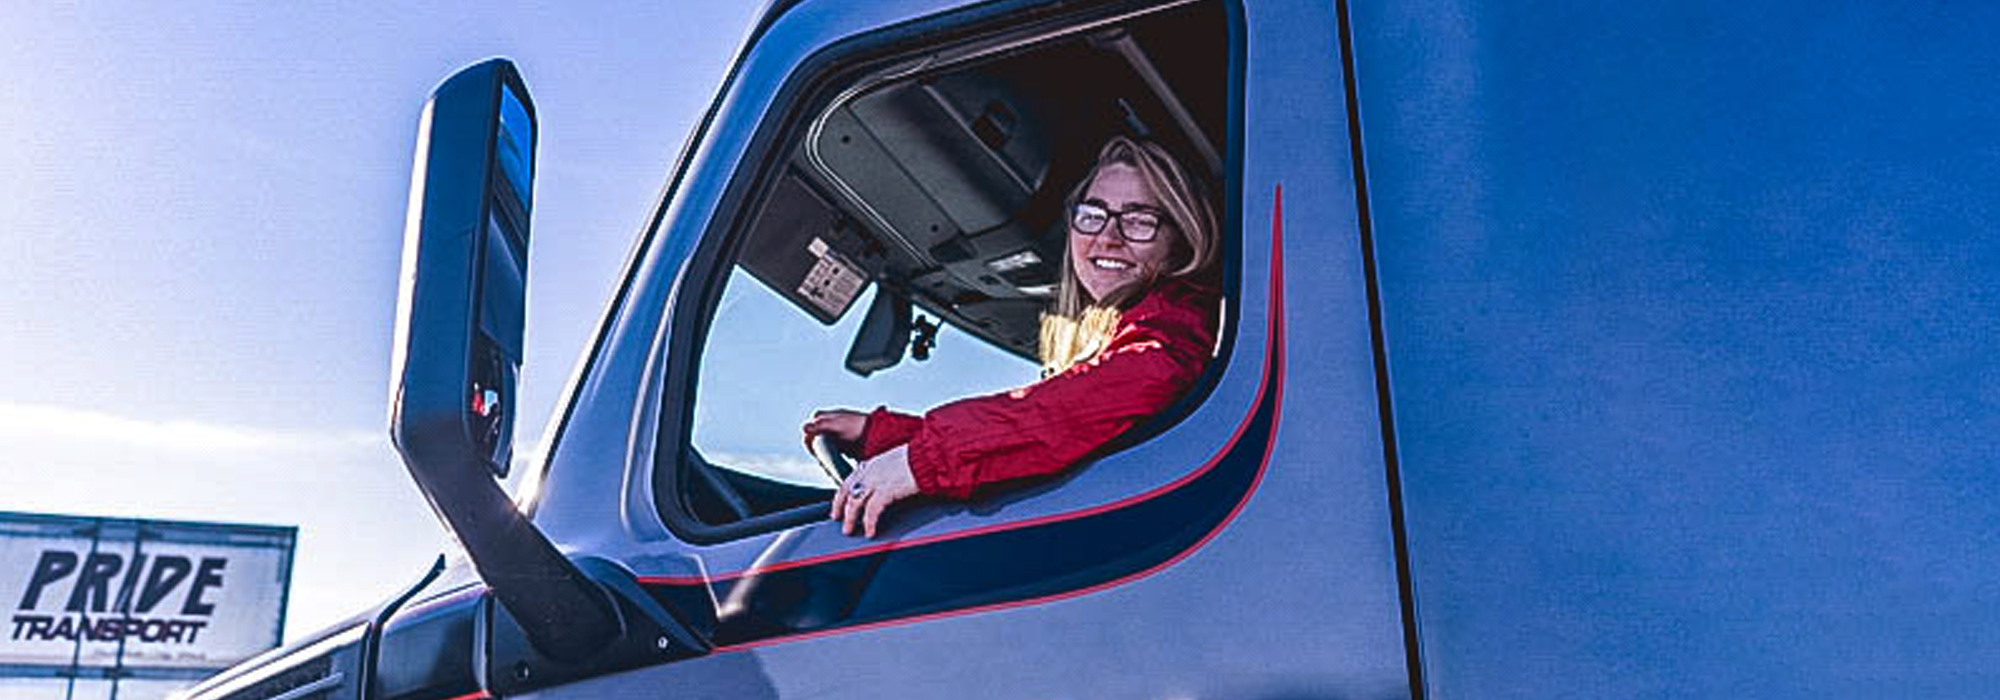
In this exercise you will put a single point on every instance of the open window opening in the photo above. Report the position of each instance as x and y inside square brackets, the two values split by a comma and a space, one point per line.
[905, 247]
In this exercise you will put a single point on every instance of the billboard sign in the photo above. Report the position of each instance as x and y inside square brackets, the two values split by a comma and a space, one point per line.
[106, 593]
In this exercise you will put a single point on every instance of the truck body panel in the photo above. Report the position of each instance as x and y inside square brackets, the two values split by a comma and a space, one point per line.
[1565, 353]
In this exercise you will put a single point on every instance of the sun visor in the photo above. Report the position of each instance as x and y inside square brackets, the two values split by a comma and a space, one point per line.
[807, 252]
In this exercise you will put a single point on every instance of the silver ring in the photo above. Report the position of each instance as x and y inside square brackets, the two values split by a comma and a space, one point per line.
[857, 489]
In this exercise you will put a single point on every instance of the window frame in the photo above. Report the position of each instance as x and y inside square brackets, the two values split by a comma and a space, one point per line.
[849, 67]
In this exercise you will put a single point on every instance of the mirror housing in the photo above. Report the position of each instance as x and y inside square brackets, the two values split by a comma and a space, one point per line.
[462, 303]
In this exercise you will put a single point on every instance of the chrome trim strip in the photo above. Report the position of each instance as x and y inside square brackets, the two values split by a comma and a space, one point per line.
[327, 683]
[271, 663]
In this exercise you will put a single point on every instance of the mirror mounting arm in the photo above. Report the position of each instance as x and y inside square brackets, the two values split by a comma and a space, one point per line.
[561, 611]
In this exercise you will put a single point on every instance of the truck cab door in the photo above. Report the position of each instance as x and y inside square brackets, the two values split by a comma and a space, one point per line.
[906, 151]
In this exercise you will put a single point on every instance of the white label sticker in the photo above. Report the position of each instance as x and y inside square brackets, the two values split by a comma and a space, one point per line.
[1018, 261]
[831, 284]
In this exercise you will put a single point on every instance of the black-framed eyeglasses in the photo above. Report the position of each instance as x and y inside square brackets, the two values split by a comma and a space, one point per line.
[1135, 225]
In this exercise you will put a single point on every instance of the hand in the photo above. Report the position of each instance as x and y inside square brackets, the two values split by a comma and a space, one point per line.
[874, 485]
[844, 426]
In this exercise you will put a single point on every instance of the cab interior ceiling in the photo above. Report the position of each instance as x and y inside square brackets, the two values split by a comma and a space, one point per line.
[946, 187]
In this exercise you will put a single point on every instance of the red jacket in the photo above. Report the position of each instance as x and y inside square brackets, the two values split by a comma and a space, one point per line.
[1161, 345]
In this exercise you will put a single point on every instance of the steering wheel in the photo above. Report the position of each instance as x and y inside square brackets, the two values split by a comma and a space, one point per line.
[835, 464]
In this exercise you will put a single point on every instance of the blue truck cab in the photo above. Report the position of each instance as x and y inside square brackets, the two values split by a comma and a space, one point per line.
[1564, 352]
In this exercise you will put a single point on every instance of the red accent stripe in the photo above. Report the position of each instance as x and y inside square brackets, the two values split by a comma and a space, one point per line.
[1275, 365]
[474, 695]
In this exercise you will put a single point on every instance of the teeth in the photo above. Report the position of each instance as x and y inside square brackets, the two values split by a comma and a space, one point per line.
[1104, 264]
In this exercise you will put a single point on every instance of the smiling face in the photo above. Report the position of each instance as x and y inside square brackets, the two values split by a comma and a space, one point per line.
[1106, 261]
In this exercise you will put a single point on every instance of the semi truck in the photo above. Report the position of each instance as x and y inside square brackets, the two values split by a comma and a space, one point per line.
[1565, 351]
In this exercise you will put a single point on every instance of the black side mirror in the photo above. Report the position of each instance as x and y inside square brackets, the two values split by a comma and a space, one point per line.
[457, 362]
[459, 316]
[884, 332]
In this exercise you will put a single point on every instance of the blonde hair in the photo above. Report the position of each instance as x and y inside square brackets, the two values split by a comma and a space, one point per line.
[1077, 327]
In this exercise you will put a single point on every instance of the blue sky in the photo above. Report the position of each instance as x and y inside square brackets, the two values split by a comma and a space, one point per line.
[200, 217]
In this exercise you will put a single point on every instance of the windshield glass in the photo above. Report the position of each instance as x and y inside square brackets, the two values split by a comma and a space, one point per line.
[758, 333]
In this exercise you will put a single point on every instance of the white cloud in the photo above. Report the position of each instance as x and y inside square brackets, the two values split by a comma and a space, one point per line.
[364, 529]
[46, 423]
[790, 469]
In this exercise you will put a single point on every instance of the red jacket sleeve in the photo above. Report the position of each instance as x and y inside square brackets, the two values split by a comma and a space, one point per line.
[885, 430]
[1046, 427]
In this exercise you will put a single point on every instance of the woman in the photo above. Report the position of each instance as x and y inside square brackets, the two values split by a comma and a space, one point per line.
[1132, 326]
